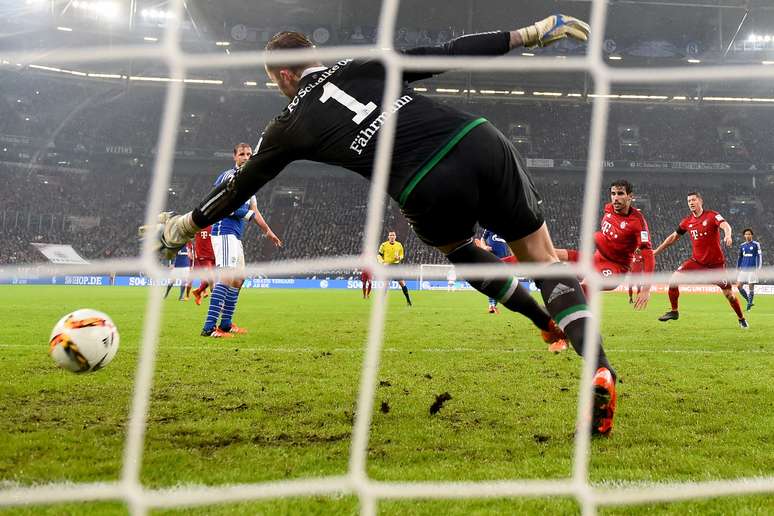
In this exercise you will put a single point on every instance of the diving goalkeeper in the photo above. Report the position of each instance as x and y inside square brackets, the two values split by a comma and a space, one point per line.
[449, 171]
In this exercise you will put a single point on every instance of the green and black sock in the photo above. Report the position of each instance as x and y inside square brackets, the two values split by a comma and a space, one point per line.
[566, 303]
[507, 291]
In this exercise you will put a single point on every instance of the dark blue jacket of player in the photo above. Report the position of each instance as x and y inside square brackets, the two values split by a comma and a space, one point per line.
[183, 259]
[750, 256]
[234, 224]
[499, 246]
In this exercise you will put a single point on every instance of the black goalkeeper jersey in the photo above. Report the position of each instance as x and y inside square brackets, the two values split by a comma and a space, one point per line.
[337, 114]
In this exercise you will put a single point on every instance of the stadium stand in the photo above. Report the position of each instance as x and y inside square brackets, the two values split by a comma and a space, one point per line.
[77, 176]
[324, 219]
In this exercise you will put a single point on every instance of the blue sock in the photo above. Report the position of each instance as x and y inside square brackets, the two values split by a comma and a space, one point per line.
[751, 294]
[216, 305]
[492, 302]
[229, 306]
[743, 293]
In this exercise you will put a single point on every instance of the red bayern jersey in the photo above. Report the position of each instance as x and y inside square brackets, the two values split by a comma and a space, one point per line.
[620, 235]
[202, 245]
[705, 236]
[638, 263]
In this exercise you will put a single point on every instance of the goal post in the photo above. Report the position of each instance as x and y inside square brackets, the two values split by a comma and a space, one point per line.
[434, 276]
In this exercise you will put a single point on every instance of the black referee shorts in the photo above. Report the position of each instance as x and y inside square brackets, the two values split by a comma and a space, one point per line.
[482, 180]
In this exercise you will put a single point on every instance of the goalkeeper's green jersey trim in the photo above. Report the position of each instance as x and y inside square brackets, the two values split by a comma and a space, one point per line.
[435, 158]
[391, 253]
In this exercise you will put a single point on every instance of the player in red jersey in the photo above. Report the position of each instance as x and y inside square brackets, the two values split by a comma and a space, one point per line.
[703, 226]
[638, 267]
[204, 258]
[623, 231]
[365, 278]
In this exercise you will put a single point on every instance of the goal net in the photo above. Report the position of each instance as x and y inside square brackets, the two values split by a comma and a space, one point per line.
[183, 70]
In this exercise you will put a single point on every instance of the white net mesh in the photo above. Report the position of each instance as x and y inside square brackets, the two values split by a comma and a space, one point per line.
[357, 481]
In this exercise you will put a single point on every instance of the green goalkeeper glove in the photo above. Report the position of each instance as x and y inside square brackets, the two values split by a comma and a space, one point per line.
[170, 234]
[552, 29]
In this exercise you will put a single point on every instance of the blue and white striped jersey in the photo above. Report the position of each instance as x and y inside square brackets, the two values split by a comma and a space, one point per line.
[750, 255]
[234, 224]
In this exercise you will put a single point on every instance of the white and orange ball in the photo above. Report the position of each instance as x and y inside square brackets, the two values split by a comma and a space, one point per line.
[84, 341]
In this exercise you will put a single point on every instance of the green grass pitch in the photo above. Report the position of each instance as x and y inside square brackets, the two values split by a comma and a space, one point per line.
[696, 399]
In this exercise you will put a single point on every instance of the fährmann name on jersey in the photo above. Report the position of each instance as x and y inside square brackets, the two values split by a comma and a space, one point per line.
[365, 135]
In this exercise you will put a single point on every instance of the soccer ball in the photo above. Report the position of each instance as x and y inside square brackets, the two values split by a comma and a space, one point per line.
[83, 341]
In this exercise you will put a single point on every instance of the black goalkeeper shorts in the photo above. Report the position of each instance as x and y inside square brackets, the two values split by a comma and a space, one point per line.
[482, 180]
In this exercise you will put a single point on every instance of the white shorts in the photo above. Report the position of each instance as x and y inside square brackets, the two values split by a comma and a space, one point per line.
[228, 251]
[179, 276]
[749, 277]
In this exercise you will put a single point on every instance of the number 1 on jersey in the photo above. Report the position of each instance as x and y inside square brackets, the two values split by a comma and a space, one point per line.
[331, 91]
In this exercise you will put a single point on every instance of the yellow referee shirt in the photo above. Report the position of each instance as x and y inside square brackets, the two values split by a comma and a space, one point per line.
[391, 253]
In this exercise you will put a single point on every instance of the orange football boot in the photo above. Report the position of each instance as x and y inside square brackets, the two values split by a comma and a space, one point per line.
[237, 330]
[558, 346]
[604, 402]
[555, 337]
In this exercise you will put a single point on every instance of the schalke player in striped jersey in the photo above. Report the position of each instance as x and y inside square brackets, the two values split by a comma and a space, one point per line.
[749, 261]
[437, 175]
[226, 240]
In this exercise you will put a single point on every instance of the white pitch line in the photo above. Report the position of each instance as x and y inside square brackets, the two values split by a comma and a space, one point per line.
[356, 350]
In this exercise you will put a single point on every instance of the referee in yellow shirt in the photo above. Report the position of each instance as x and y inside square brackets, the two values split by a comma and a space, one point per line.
[391, 253]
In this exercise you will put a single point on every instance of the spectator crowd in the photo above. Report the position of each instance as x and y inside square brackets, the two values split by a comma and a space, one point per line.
[324, 215]
[76, 159]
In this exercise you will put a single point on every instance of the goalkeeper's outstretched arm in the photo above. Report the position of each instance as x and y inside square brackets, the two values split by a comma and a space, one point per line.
[539, 34]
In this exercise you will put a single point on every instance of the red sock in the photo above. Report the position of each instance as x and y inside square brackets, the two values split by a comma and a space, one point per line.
[674, 293]
[735, 305]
